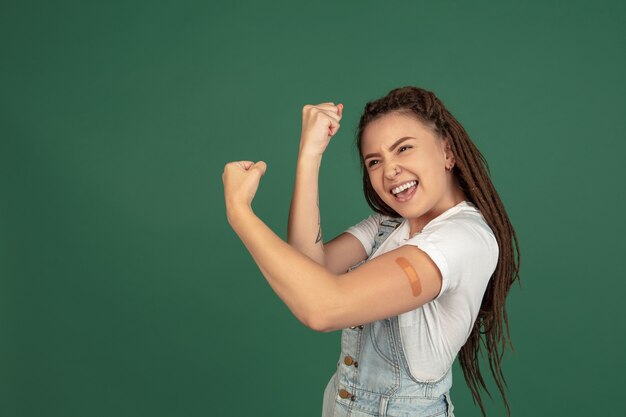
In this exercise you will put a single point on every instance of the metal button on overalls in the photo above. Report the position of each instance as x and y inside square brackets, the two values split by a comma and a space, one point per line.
[345, 394]
[348, 360]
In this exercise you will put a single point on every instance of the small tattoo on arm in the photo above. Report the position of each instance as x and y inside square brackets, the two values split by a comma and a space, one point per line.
[319, 231]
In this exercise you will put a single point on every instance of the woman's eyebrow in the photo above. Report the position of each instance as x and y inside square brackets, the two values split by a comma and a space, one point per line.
[391, 148]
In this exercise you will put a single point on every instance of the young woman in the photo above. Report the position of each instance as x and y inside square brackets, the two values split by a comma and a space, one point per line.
[410, 286]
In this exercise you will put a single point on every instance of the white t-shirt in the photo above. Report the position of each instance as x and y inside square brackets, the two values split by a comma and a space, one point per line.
[465, 250]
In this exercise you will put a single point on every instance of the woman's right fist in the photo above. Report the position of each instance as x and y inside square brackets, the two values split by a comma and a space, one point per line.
[319, 123]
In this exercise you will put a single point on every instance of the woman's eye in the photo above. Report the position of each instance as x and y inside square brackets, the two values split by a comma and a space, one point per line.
[371, 163]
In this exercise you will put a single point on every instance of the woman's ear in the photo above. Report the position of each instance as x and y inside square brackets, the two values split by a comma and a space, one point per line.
[448, 154]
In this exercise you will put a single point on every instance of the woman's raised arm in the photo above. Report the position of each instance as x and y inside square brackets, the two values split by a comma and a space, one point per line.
[304, 230]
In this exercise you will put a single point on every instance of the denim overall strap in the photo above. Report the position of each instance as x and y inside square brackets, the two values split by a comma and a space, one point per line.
[385, 228]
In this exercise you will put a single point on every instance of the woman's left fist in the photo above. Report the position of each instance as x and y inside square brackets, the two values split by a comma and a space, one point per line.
[241, 180]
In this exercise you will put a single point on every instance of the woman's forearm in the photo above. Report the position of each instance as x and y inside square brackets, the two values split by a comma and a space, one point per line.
[304, 286]
[304, 229]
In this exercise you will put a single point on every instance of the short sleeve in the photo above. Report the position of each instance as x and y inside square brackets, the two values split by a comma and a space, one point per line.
[462, 250]
[366, 231]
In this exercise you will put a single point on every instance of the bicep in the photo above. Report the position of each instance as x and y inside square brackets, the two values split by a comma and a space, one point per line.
[343, 252]
[391, 284]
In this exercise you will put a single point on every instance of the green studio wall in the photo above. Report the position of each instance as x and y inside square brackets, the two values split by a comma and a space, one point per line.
[123, 290]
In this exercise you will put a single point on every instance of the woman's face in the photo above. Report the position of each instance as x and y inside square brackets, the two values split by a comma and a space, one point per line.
[399, 149]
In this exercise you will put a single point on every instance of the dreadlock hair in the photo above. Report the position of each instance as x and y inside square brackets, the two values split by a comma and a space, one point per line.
[472, 171]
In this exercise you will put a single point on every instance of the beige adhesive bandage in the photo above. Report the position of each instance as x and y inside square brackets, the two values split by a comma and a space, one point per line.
[410, 272]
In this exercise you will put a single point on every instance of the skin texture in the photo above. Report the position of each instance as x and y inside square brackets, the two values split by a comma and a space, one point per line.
[414, 279]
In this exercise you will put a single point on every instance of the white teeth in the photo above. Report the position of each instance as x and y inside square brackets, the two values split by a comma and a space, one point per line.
[403, 187]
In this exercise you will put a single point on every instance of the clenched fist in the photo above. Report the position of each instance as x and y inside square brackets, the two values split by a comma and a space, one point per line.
[319, 123]
[241, 181]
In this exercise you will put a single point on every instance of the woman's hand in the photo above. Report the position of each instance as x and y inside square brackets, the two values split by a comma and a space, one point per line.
[241, 180]
[319, 123]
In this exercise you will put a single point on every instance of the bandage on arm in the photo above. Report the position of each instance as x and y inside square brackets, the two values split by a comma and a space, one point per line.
[411, 274]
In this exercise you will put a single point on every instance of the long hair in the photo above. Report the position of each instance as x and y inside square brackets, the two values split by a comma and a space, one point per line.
[472, 171]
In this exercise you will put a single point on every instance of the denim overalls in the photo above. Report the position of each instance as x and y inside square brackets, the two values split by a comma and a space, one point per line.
[372, 376]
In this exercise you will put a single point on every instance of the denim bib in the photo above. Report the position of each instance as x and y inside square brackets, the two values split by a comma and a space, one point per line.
[373, 377]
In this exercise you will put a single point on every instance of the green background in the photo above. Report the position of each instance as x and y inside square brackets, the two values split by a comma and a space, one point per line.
[123, 290]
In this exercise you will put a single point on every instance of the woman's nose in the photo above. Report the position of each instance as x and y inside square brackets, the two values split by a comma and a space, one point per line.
[391, 170]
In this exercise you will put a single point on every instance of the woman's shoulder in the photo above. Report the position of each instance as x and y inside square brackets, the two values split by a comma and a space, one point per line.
[465, 231]
[464, 215]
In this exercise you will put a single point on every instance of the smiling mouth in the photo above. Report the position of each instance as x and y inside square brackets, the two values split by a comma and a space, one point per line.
[405, 194]
[403, 186]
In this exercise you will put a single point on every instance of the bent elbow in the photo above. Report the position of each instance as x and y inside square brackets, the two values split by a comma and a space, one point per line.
[317, 323]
